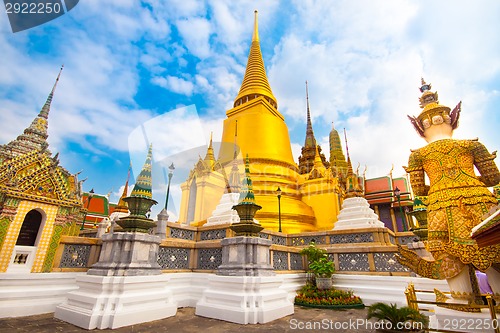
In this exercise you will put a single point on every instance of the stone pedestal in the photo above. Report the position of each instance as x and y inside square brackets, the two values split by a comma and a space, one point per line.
[161, 224]
[128, 254]
[245, 256]
[244, 299]
[124, 288]
[116, 301]
[355, 214]
[245, 289]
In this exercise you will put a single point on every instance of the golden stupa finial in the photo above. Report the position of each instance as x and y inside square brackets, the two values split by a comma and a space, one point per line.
[255, 36]
[255, 83]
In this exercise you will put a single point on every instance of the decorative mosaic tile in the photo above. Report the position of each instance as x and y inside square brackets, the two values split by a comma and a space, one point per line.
[392, 239]
[365, 237]
[296, 262]
[353, 262]
[75, 256]
[280, 260]
[263, 235]
[278, 240]
[213, 234]
[306, 240]
[51, 251]
[10, 239]
[173, 258]
[4, 226]
[386, 262]
[404, 240]
[181, 233]
[209, 258]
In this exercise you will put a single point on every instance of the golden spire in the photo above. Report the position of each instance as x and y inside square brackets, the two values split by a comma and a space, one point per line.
[255, 82]
[35, 136]
[209, 157]
[317, 159]
[122, 206]
[310, 139]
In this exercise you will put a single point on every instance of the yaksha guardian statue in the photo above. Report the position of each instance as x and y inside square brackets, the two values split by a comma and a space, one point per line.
[457, 200]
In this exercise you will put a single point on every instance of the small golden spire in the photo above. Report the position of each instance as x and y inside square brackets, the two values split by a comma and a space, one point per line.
[209, 157]
[255, 36]
[122, 206]
[317, 159]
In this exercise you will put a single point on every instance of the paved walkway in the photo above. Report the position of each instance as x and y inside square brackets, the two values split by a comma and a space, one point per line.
[303, 320]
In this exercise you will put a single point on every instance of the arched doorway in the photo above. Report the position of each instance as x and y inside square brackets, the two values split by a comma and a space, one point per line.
[30, 228]
[24, 252]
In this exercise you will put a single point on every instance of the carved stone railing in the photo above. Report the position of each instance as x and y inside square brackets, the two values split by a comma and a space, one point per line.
[187, 248]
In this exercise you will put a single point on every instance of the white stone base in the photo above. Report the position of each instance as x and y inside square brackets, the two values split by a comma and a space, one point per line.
[245, 299]
[116, 301]
[34, 293]
[387, 289]
[459, 321]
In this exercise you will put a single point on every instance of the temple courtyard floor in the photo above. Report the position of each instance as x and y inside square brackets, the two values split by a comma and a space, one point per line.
[185, 321]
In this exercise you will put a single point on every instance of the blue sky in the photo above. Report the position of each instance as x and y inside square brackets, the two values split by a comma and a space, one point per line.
[129, 63]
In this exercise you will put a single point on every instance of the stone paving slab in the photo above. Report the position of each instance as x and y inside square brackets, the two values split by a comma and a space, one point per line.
[303, 320]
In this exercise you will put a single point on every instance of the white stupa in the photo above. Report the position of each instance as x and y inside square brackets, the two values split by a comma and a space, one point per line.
[224, 213]
[356, 214]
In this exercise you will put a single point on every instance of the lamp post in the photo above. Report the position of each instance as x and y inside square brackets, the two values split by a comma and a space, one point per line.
[91, 194]
[171, 169]
[397, 193]
[278, 191]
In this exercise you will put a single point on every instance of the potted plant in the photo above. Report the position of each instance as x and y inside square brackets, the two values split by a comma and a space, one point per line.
[312, 253]
[323, 270]
[394, 319]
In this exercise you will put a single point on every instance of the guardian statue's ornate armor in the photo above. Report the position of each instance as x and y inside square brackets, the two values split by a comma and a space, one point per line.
[457, 199]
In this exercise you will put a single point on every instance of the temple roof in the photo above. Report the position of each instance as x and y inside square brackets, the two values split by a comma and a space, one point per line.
[255, 81]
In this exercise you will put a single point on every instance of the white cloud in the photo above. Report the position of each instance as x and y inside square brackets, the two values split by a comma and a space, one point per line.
[175, 84]
[196, 34]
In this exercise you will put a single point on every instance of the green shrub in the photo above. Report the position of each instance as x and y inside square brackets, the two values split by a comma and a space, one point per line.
[394, 315]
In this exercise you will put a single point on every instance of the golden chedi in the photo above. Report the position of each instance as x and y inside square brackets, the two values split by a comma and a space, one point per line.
[256, 128]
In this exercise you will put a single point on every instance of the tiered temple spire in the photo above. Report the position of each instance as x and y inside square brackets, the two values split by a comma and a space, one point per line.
[35, 136]
[255, 82]
[337, 159]
[143, 183]
[308, 152]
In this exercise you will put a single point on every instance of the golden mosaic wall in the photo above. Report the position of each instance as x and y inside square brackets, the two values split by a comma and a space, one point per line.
[14, 228]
